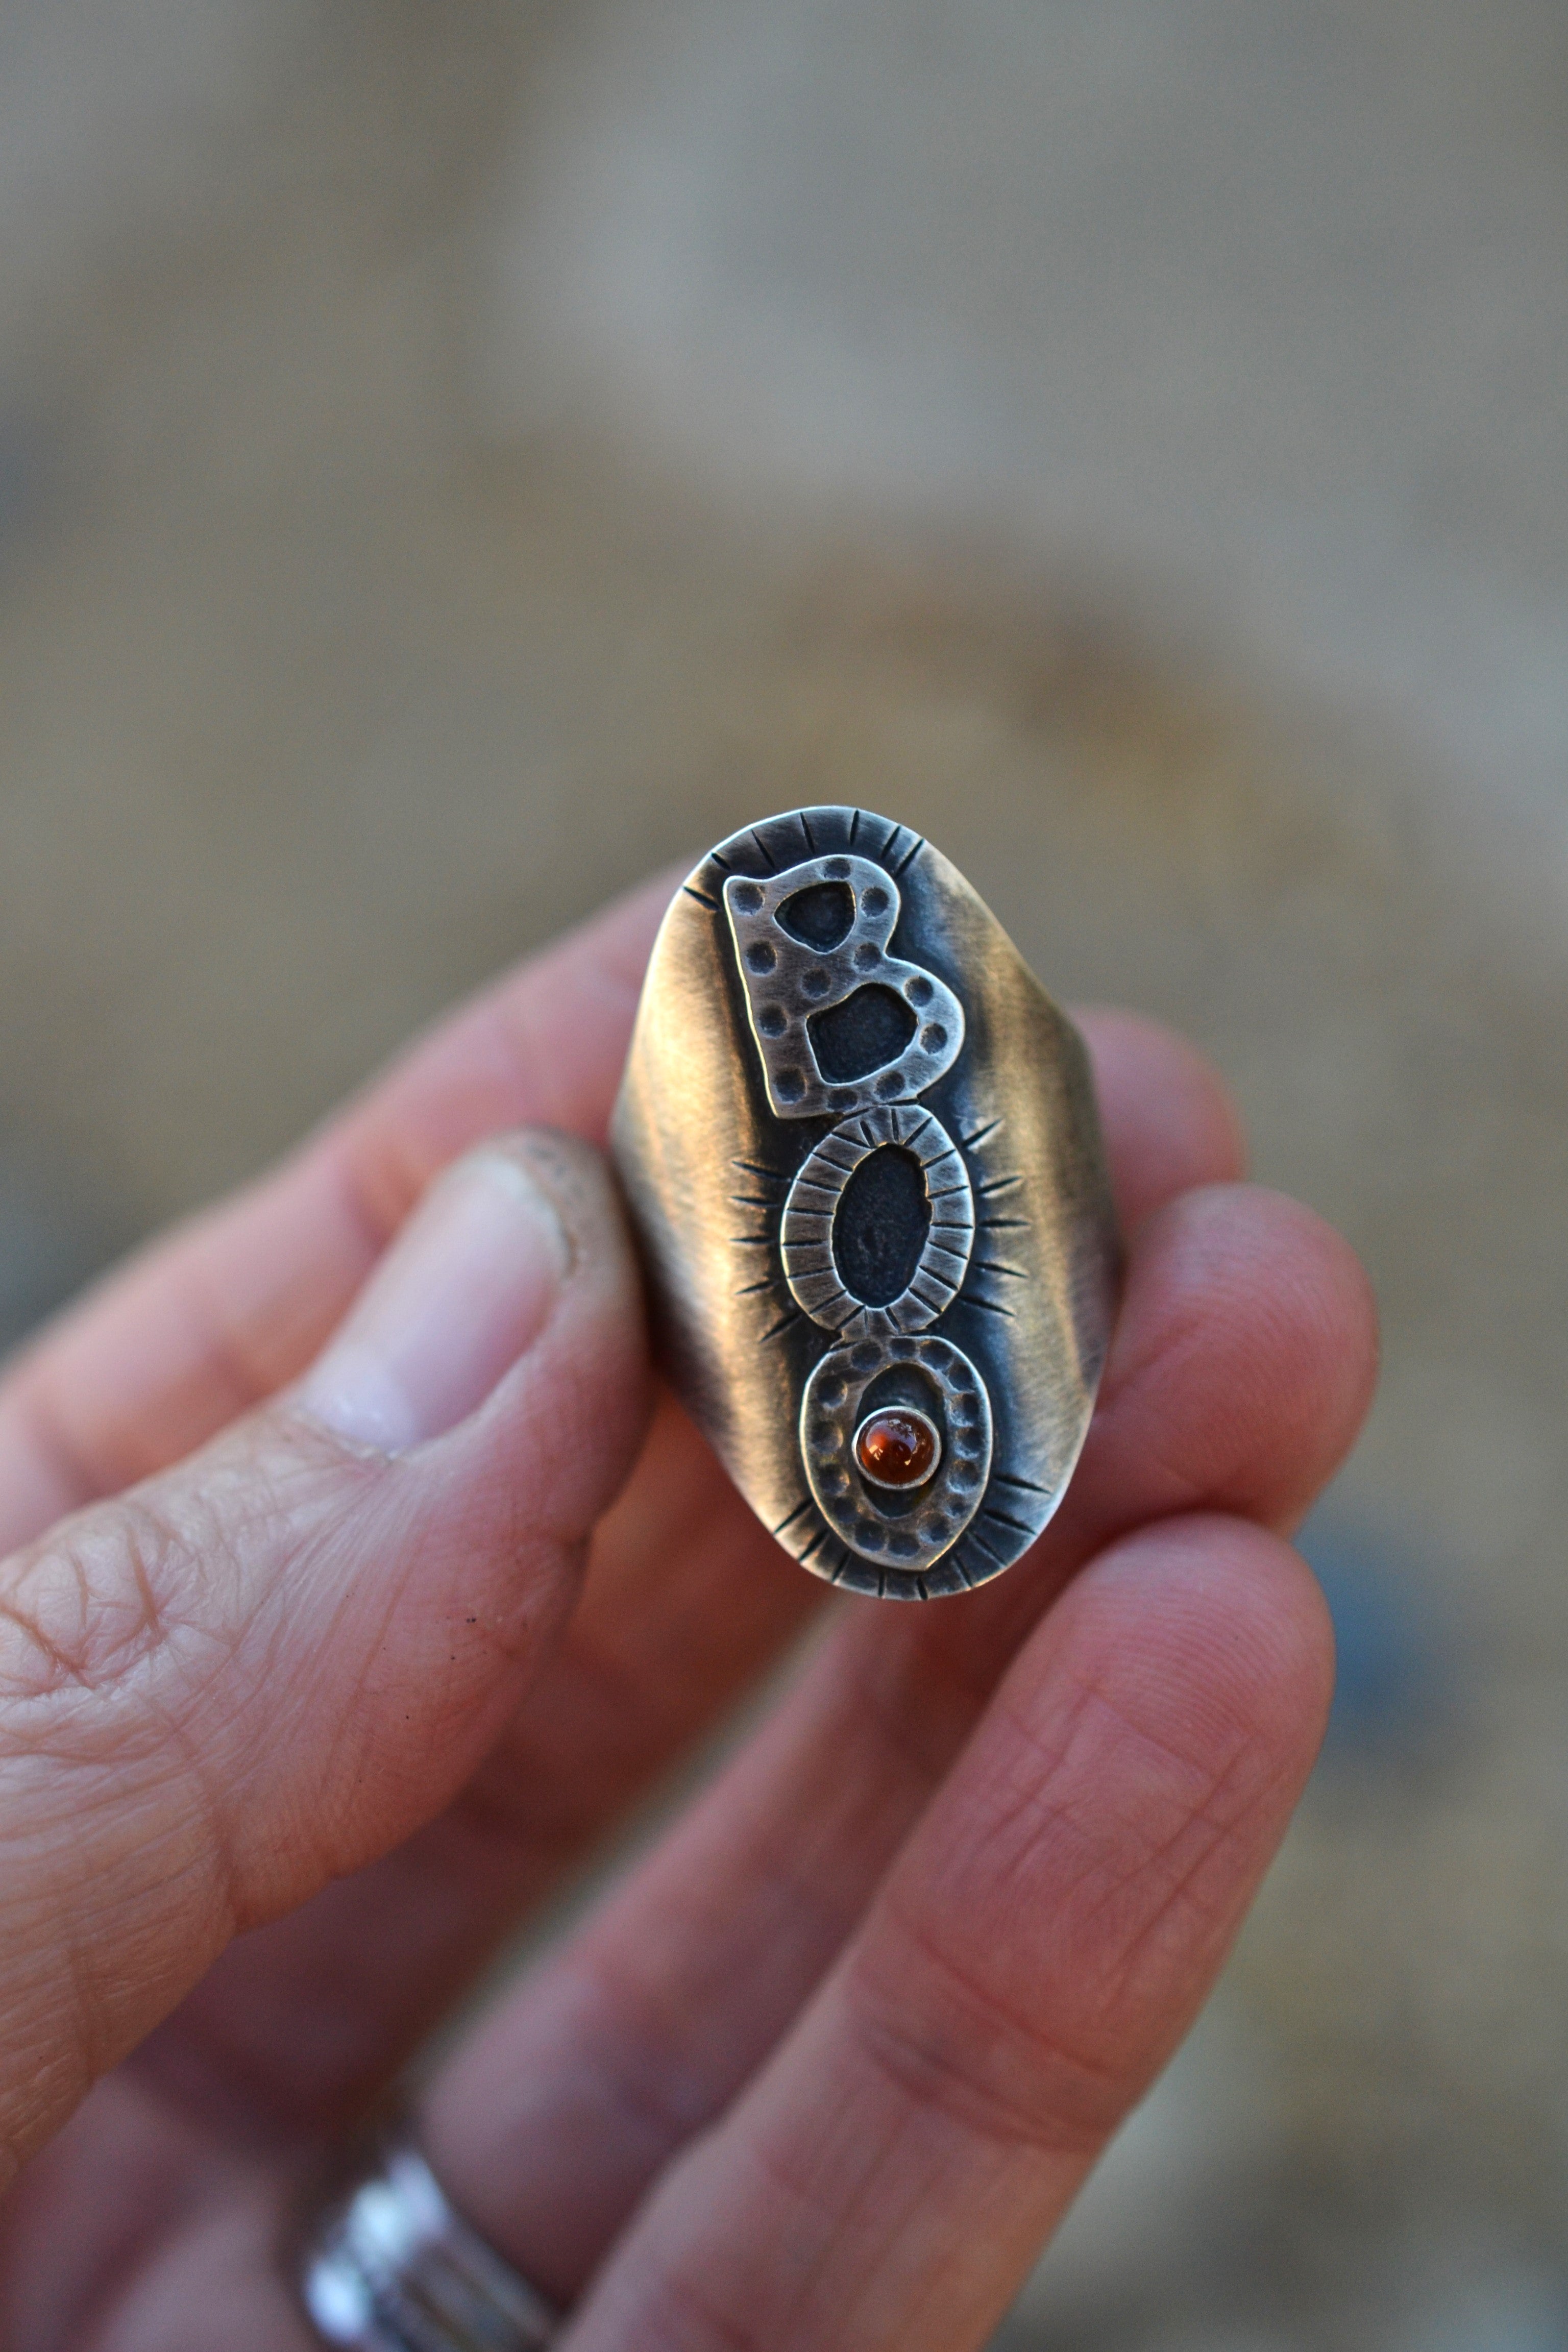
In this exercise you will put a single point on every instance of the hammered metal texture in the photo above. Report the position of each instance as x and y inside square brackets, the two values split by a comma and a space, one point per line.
[910, 1542]
[860, 1148]
[792, 983]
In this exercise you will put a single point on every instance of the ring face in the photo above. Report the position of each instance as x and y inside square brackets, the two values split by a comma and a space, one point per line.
[851, 1116]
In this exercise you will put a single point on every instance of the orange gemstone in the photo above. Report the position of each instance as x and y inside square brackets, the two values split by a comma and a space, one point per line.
[898, 1447]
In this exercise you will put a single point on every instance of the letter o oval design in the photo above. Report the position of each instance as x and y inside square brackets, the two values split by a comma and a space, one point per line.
[915, 1538]
[810, 1266]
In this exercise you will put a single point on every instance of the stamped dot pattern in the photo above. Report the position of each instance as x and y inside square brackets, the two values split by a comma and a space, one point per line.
[914, 1537]
[797, 962]
[787, 979]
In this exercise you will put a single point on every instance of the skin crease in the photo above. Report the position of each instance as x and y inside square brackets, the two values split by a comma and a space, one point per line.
[823, 2069]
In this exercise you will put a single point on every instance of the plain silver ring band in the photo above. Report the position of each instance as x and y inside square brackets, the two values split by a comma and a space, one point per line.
[391, 2266]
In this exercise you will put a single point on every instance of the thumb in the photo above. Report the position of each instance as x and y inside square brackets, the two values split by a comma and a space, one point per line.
[264, 1667]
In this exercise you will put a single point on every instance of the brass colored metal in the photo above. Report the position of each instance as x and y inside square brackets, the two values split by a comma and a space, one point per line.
[862, 1155]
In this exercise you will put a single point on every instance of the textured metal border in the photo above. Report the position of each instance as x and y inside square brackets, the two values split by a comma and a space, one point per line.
[806, 1230]
[915, 1539]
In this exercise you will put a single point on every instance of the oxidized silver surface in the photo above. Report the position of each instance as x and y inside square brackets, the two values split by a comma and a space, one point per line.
[811, 1209]
[939, 1379]
[861, 1151]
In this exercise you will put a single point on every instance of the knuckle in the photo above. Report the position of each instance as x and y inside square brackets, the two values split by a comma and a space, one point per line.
[103, 1649]
[156, 1585]
[86, 1608]
[950, 2048]
[681, 2313]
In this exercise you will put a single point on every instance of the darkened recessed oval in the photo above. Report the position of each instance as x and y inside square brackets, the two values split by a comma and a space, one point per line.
[880, 1225]
[857, 1036]
[819, 916]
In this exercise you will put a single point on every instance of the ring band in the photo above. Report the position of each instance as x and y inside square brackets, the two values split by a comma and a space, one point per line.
[391, 2266]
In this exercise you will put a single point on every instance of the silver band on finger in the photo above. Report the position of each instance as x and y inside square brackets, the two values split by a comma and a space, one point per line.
[392, 2266]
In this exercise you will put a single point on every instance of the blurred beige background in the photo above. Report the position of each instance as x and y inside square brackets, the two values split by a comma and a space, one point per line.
[452, 459]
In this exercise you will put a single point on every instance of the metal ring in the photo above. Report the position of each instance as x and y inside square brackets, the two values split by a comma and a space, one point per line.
[828, 1003]
[392, 2266]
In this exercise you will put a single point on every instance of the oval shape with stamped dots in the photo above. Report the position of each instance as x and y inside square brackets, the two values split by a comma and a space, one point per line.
[902, 1526]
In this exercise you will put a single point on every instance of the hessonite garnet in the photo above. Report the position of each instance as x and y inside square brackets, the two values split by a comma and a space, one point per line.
[897, 1447]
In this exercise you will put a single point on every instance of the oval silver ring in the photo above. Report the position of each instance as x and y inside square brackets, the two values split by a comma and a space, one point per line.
[859, 1145]
[811, 1208]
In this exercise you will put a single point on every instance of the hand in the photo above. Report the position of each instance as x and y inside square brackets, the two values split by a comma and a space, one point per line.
[307, 1697]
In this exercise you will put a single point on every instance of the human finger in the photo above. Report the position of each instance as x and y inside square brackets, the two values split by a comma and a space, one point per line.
[213, 1318]
[267, 1665]
[1034, 1957]
[686, 1602]
[1169, 1121]
[1239, 1372]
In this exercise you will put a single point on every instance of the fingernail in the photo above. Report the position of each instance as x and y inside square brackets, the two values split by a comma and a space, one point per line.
[466, 1286]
